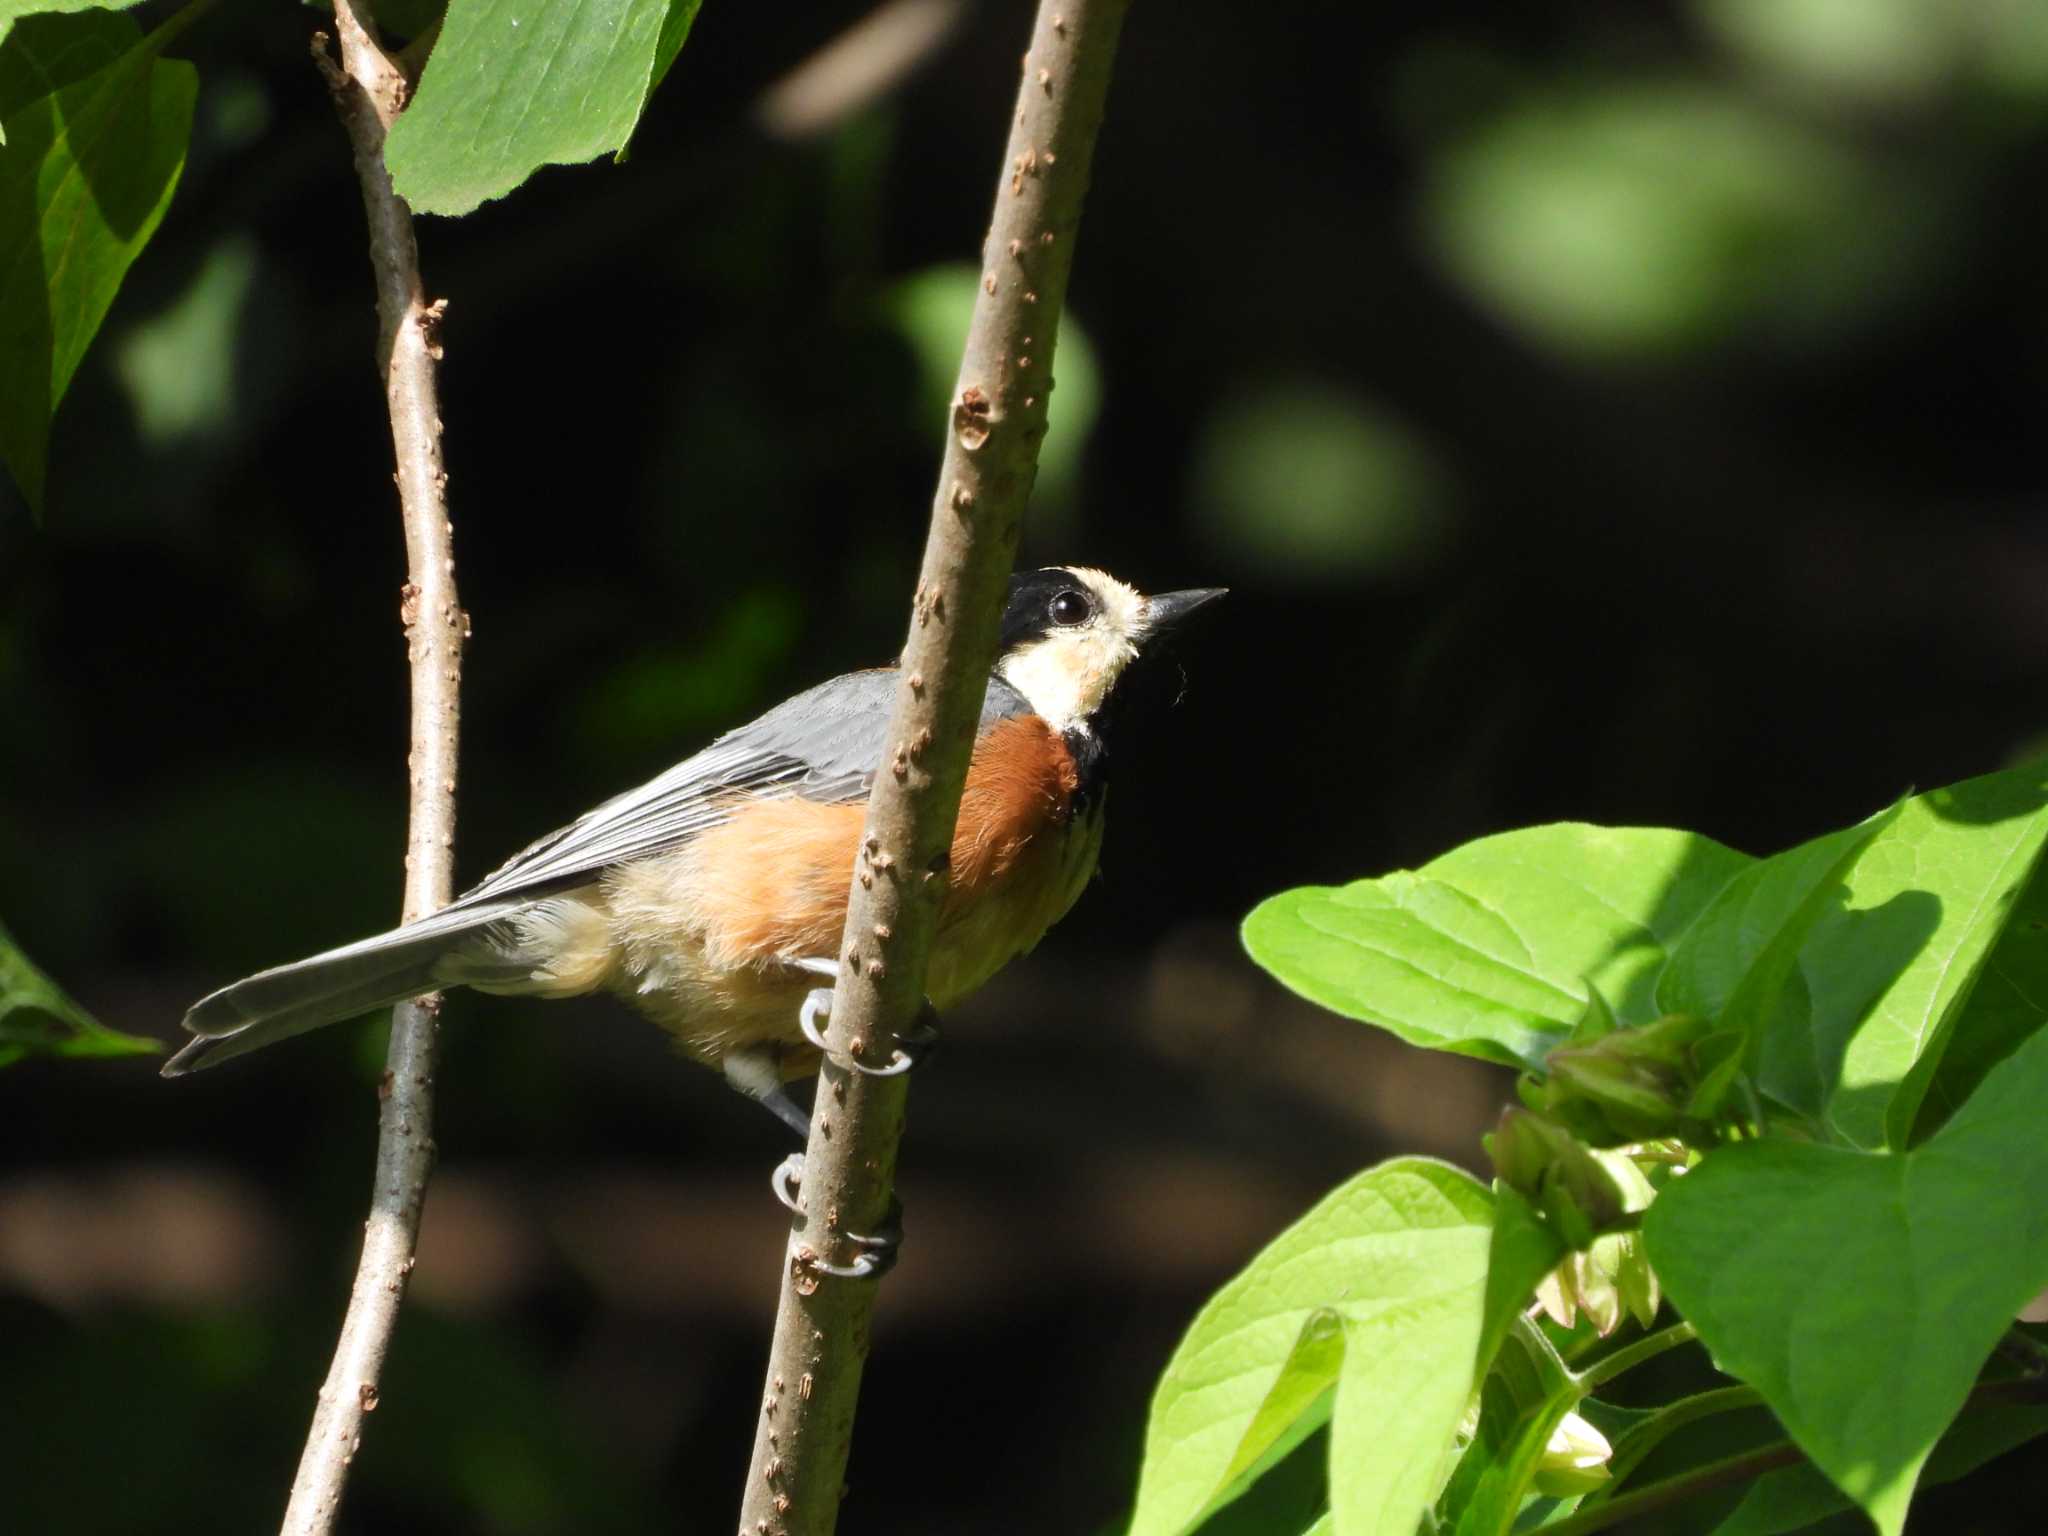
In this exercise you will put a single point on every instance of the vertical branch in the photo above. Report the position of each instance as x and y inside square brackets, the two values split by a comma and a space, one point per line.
[369, 92]
[997, 422]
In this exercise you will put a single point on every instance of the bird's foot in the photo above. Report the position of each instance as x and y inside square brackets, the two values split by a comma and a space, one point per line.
[878, 1251]
[913, 1046]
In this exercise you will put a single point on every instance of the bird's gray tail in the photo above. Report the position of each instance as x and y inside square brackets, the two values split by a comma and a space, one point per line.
[343, 983]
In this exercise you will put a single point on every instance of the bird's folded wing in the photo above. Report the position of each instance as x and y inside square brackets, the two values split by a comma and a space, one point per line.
[824, 744]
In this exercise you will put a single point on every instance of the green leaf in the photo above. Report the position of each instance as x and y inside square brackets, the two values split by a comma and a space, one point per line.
[1488, 950]
[12, 11]
[1736, 960]
[1892, 973]
[1792, 1498]
[675, 31]
[513, 85]
[1288, 1490]
[1298, 1404]
[37, 1019]
[1524, 1398]
[87, 173]
[1521, 1251]
[1921, 1260]
[1396, 1258]
[50, 54]
[2010, 1004]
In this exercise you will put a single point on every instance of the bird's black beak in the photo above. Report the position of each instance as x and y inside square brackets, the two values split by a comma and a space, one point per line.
[1169, 610]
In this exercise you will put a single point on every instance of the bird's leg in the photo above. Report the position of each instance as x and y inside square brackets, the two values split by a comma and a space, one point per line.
[878, 1250]
[912, 1046]
[756, 1072]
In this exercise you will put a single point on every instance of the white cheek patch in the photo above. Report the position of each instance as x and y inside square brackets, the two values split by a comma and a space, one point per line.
[1067, 675]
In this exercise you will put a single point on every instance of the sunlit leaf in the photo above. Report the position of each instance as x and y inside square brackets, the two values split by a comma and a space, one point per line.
[513, 85]
[2010, 1004]
[38, 1019]
[1487, 951]
[1861, 1292]
[1737, 959]
[1379, 1290]
[1523, 1400]
[1892, 972]
[1522, 1250]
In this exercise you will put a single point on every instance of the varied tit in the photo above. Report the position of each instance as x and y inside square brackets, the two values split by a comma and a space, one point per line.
[711, 898]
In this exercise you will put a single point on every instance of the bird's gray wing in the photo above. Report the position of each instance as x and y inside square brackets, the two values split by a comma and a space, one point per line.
[823, 744]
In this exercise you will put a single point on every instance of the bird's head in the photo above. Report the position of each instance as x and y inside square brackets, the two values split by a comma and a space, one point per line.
[1070, 634]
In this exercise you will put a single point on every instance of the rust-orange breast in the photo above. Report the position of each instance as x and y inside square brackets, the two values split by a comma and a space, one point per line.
[770, 884]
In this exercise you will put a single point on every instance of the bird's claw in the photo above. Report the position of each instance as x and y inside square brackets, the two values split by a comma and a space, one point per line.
[878, 1251]
[913, 1046]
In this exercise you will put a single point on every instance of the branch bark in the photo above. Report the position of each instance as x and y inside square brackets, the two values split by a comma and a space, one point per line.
[997, 423]
[369, 92]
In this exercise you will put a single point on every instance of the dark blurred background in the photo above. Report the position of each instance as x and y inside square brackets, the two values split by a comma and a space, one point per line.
[1599, 410]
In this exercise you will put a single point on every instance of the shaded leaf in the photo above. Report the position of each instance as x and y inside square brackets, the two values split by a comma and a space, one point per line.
[1892, 973]
[2009, 1004]
[1928, 1255]
[87, 173]
[1736, 960]
[1287, 1490]
[56, 50]
[1793, 1498]
[675, 31]
[38, 1019]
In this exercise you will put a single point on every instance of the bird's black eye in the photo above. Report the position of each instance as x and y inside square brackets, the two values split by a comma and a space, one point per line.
[1070, 607]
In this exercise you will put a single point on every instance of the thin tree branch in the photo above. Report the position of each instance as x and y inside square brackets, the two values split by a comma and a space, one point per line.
[369, 92]
[1678, 1490]
[1627, 1358]
[1597, 1513]
[997, 422]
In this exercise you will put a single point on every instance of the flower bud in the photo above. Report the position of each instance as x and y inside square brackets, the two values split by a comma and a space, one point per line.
[1558, 1174]
[1633, 1084]
[1574, 1460]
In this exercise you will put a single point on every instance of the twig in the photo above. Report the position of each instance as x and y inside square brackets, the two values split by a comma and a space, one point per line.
[1597, 1514]
[997, 422]
[369, 92]
[1677, 1490]
[1627, 1358]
